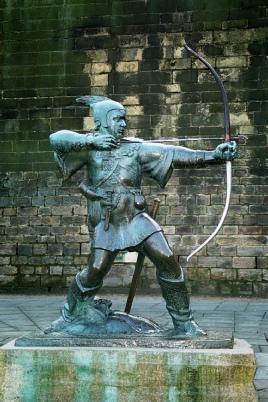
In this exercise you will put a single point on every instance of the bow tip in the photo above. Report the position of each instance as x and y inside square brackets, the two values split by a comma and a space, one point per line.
[189, 257]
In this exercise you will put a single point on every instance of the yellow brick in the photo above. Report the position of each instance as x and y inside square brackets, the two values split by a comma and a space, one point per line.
[127, 66]
[232, 230]
[99, 91]
[87, 68]
[234, 36]
[178, 52]
[241, 61]
[97, 56]
[230, 74]
[173, 99]
[198, 64]
[248, 130]
[169, 39]
[133, 133]
[99, 80]
[131, 41]
[231, 49]
[239, 119]
[131, 100]
[134, 110]
[176, 64]
[100, 68]
[174, 88]
[131, 54]
[88, 123]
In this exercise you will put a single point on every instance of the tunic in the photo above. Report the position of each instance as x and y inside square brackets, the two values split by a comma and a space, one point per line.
[117, 174]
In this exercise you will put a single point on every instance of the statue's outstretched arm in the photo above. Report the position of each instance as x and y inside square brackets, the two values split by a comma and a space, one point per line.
[188, 157]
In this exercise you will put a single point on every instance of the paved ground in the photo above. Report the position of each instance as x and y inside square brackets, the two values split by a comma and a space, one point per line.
[247, 318]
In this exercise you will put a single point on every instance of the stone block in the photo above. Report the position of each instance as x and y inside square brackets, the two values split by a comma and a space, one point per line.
[262, 262]
[132, 41]
[99, 80]
[250, 275]
[55, 270]
[4, 260]
[8, 281]
[29, 280]
[40, 249]
[25, 249]
[70, 271]
[244, 262]
[55, 249]
[127, 67]
[52, 281]
[81, 261]
[126, 374]
[71, 249]
[200, 274]
[8, 270]
[99, 55]
[19, 260]
[218, 274]
[261, 289]
[26, 270]
[131, 54]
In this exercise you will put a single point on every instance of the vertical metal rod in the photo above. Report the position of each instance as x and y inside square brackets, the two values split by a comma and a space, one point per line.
[139, 264]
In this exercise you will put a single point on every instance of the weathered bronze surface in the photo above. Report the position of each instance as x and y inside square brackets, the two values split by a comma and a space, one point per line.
[118, 217]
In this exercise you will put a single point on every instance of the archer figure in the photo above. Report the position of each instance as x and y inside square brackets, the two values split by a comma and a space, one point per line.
[117, 213]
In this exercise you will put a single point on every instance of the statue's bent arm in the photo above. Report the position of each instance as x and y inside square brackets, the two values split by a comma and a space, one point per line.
[70, 151]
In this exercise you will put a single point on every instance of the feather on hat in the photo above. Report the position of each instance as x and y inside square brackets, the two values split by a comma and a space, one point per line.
[100, 106]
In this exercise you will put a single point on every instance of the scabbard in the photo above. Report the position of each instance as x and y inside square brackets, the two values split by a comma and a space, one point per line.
[107, 219]
[108, 209]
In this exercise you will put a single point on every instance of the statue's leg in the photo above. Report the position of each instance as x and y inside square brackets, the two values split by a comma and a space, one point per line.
[87, 283]
[171, 280]
[82, 291]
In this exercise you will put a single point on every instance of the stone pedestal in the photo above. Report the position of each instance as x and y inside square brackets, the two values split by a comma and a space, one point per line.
[82, 374]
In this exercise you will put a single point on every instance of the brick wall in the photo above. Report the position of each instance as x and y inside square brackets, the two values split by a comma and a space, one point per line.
[132, 51]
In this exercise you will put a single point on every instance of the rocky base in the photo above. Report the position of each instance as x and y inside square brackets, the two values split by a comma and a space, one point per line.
[98, 319]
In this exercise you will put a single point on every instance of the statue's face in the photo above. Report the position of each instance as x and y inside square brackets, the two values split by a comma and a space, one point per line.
[116, 122]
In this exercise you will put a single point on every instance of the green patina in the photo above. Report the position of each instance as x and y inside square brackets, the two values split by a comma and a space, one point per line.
[119, 375]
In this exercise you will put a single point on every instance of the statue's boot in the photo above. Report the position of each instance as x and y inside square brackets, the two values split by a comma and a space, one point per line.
[78, 305]
[177, 299]
[78, 300]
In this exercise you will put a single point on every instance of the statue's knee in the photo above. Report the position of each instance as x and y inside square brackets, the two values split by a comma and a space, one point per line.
[95, 275]
[169, 267]
[90, 276]
[169, 260]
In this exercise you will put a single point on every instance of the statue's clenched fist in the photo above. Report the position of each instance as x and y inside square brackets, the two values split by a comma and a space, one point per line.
[103, 141]
[225, 151]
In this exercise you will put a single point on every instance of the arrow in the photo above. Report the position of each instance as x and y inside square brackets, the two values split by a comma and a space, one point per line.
[127, 140]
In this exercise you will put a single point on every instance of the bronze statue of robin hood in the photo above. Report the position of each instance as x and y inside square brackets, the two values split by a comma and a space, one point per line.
[118, 217]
